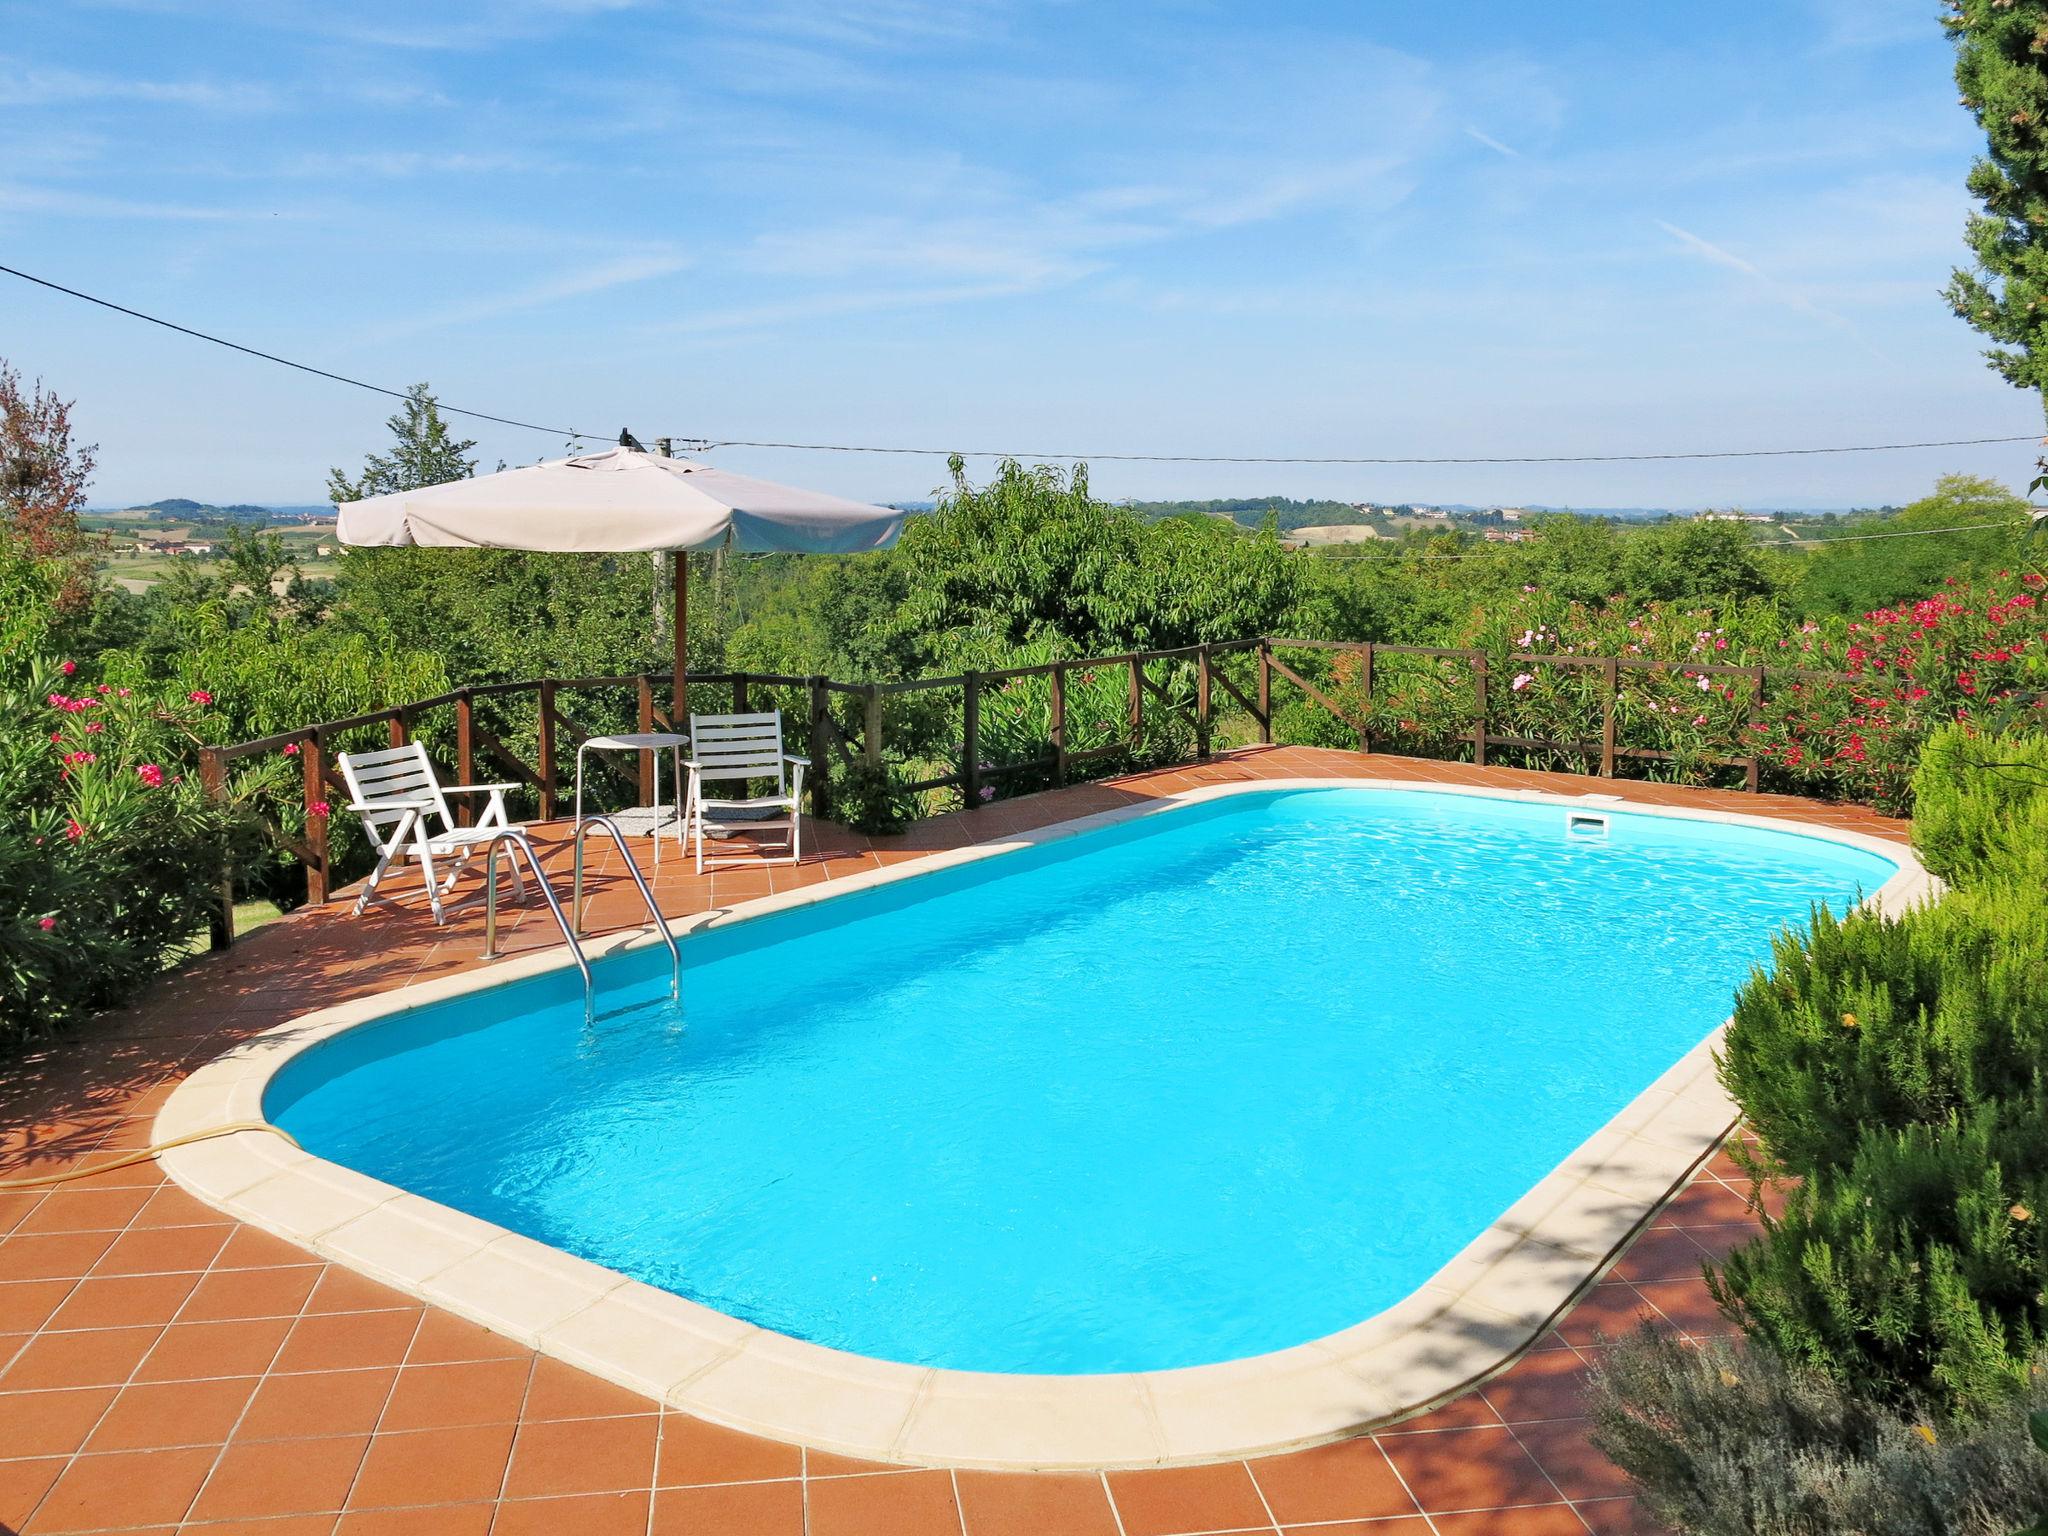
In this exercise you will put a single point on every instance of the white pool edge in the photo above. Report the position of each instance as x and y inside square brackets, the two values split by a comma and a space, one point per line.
[1480, 1312]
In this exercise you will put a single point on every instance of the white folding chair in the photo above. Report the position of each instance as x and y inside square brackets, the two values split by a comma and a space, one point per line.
[404, 808]
[747, 748]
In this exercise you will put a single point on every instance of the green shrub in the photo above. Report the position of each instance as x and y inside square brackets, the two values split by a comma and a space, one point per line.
[865, 798]
[1874, 1023]
[1980, 804]
[1917, 1270]
[1728, 1442]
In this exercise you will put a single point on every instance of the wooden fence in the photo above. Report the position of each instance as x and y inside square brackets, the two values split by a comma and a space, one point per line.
[832, 740]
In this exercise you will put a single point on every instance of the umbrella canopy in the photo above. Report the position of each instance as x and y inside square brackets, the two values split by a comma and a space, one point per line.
[621, 501]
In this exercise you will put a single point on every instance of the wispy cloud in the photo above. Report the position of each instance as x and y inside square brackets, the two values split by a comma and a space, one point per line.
[44, 87]
[1491, 143]
[825, 306]
[617, 272]
[1790, 297]
[397, 164]
[88, 205]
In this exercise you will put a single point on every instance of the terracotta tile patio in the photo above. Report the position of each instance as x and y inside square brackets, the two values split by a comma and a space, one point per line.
[164, 1368]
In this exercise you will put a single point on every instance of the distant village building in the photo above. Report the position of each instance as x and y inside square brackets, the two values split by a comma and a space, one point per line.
[1734, 517]
[1430, 514]
[1510, 535]
[1511, 514]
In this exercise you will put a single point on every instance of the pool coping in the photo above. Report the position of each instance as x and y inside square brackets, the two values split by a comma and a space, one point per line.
[1476, 1315]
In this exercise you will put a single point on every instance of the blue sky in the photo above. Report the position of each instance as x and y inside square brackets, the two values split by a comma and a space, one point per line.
[1288, 228]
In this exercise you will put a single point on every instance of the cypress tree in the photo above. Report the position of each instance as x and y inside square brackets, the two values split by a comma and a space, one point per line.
[2002, 71]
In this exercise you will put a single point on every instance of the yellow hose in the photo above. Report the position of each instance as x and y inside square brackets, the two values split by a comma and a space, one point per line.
[144, 1154]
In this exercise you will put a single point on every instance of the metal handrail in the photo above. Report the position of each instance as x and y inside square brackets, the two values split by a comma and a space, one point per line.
[583, 826]
[518, 838]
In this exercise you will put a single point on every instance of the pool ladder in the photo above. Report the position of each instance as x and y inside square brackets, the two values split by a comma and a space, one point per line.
[572, 930]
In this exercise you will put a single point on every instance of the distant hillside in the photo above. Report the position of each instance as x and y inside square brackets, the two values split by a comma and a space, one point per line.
[182, 509]
[1252, 511]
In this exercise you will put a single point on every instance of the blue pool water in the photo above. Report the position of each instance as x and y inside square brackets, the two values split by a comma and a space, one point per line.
[1200, 1086]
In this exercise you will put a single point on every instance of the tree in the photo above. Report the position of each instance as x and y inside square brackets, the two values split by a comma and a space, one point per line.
[2002, 69]
[426, 453]
[1859, 573]
[43, 476]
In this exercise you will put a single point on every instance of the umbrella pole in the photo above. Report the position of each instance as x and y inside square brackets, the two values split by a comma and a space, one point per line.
[679, 699]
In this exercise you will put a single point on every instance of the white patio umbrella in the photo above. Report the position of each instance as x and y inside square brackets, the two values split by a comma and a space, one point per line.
[622, 501]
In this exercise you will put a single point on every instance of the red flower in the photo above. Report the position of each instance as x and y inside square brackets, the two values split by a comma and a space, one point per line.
[74, 829]
[49, 922]
[67, 668]
[200, 696]
[150, 774]
[319, 807]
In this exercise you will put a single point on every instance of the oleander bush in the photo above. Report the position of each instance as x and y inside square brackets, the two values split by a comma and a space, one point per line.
[1724, 1441]
[108, 853]
[1854, 730]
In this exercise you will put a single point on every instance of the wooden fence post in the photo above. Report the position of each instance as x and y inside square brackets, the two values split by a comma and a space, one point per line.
[314, 758]
[1610, 688]
[401, 728]
[549, 788]
[1753, 770]
[871, 726]
[821, 749]
[1137, 704]
[465, 754]
[1265, 692]
[1365, 687]
[970, 740]
[645, 716]
[1202, 710]
[739, 693]
[1059, 722]
[213, 782]
[1479, 709]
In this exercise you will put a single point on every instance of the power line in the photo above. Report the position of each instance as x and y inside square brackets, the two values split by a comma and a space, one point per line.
[1043, 456]
[272, 357]
[707, 444]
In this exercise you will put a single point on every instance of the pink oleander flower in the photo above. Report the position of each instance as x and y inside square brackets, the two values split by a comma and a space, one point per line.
[291, 749]
[104, 688]
[74, 829]
[1522, 680]
[57, 736]
[47, 924]
[319, 808]
[123, 692]
[200, 696]
[150, 774]
[81, 757]
[93, 727]
[1706, 684]
[67, 667]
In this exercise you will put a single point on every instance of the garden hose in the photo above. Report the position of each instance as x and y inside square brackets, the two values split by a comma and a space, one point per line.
[143, 1154]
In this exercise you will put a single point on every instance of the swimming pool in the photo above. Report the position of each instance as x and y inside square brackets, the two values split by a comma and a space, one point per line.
[1195, 1087]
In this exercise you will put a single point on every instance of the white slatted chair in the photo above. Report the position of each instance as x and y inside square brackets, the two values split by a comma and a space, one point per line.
[747, 748]
[404, 808]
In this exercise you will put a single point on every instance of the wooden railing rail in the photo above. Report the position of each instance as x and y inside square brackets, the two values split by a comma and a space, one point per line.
[840, 739]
